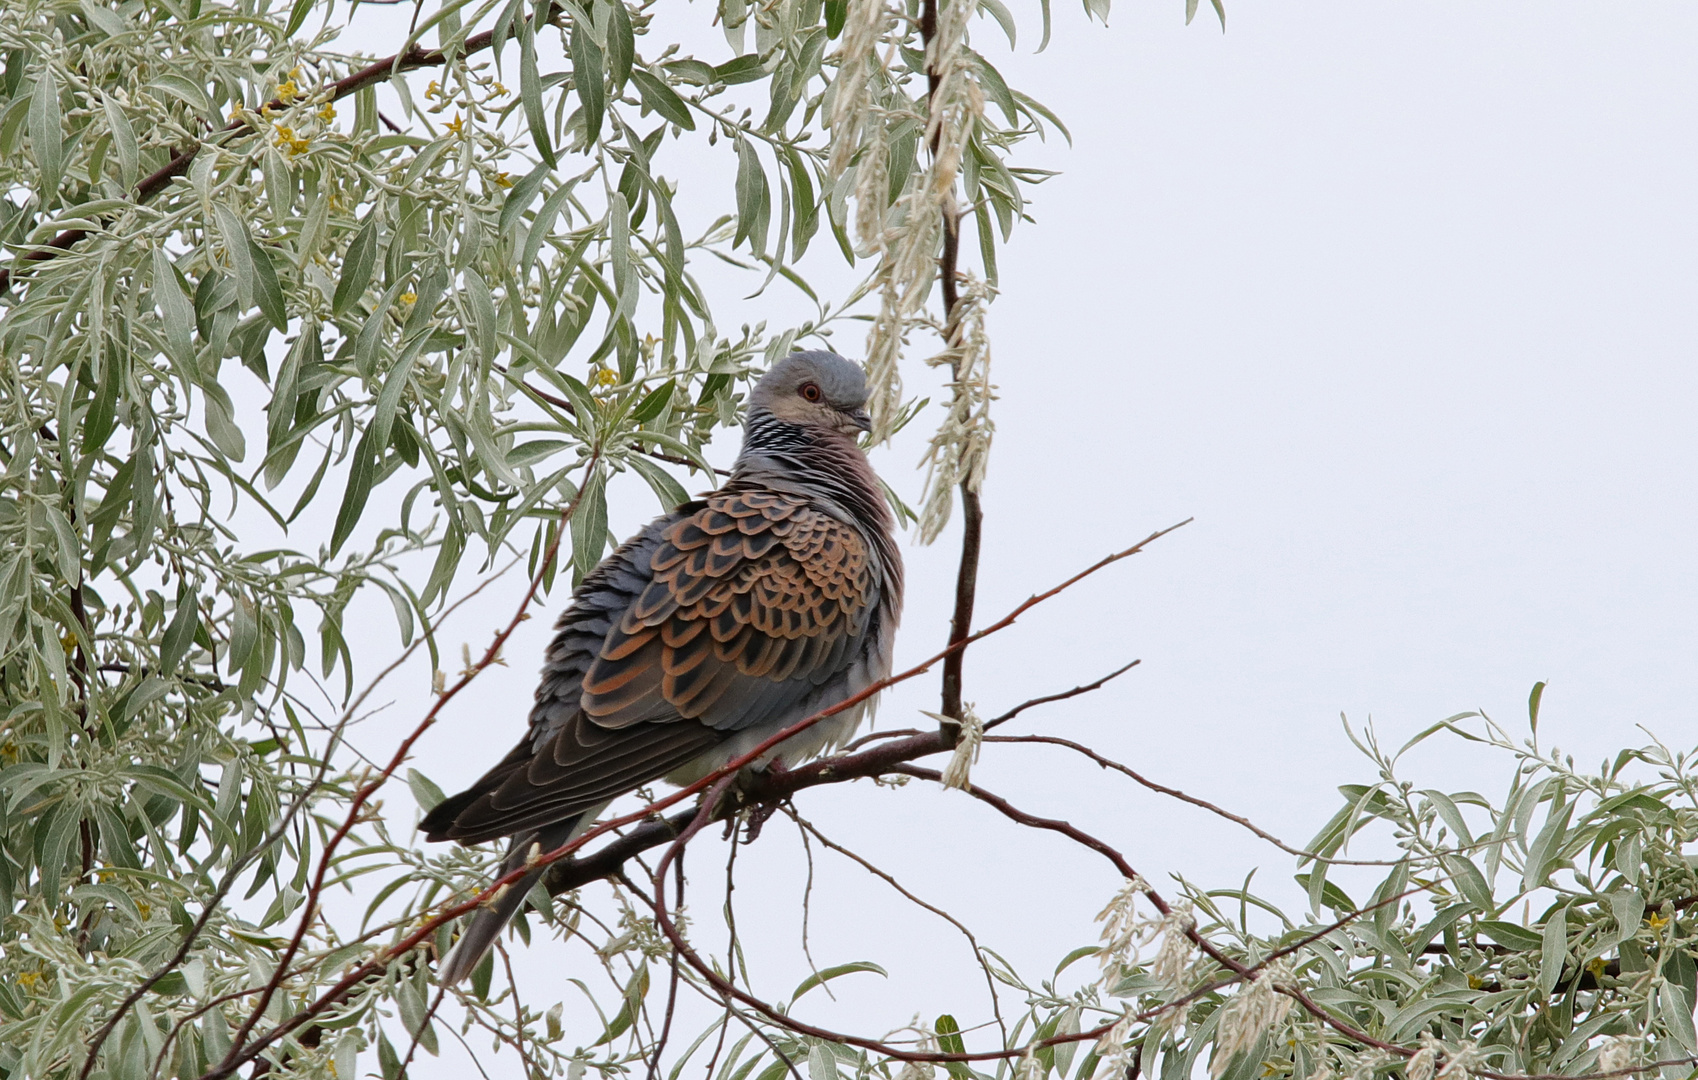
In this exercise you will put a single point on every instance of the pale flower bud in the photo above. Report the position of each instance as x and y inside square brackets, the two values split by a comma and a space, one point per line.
[957, 774]
[1459, 1063]
[1616, 1056]
[1420, 1066]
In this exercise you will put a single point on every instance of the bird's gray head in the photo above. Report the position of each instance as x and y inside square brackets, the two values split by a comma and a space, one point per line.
[814, 389]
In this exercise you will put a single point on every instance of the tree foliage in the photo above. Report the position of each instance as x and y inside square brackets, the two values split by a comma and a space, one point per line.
[454, 327]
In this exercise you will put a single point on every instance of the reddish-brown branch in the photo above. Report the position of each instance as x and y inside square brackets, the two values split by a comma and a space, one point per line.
[873, 761]
[1063, 696]
[671, 989]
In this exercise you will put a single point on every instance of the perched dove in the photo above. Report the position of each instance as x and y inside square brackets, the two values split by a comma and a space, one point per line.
[718, 625]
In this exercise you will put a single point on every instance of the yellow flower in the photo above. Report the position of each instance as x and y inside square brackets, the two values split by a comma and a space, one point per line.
[287, 91]
[146, 909]
[1658, 920]
[409, 297]
[284, 135]
[28, 979]
[457, 125]
[503, 180]
[604, 377]
[434, 89]
[328, 113]
[299, 146]
[1596, 967]
[1475, 982]
[498, 90]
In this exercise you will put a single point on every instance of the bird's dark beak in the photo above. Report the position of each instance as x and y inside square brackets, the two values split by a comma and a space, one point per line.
[861, 418]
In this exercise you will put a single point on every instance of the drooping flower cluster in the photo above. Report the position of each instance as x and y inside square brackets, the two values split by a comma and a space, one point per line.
[1122, 931]
[1175, 953]
[958, 773]
[960, 451]
[1256, 1009]
[906, 236]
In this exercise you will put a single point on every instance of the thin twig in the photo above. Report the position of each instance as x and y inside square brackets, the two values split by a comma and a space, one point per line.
[1171, 792]
[671, 989]
[518, 1010]
[1063, 696]
[413, 1044]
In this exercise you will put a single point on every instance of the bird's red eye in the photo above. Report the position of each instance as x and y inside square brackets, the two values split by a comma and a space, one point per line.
[810, 392]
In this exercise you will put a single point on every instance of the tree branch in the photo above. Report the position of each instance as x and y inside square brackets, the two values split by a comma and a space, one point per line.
[761, 787]
[972, 514]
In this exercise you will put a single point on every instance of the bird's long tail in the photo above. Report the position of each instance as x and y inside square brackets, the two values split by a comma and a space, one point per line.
[488, 921]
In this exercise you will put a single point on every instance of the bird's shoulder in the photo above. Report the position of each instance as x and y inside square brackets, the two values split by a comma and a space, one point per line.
[797, 566]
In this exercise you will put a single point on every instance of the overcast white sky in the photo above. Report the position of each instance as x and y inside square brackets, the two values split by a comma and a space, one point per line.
[1395, 299]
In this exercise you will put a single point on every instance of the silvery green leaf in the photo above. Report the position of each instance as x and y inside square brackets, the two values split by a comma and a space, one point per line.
[425, 791]
[666, 489]
[588, 79]
[484, 317]
[177, 318]
[662, 99]
[45, 133]
[821, 1064]
[221, 424]
[244, 634]
[267, 292]
[519, 197]
[279, 183]
[123, 142]
[530, 96]
[66, 545]
[1553, 952]
[239, 249]
[1628, 908]
[1674, 1008]
[820, 978]
[180, 633]
[541, 226]
[754, 204]
[188, 92]
[108, 21]
[589, 523]
[357, 266]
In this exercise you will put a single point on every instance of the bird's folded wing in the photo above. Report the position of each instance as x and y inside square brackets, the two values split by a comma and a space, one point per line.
[757, 600]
